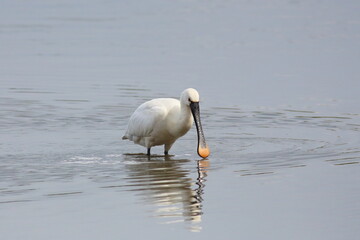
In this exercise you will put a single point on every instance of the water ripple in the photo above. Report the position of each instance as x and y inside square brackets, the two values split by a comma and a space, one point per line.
[267, 140]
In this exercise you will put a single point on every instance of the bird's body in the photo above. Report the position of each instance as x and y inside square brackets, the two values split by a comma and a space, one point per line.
[158, 122]
[162, 121]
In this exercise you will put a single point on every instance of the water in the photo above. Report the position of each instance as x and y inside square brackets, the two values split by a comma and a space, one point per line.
[279, 100]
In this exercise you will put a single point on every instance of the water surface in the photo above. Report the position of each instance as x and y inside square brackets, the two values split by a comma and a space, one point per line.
[278, 84]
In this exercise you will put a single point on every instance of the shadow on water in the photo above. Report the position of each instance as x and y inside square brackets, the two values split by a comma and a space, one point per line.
[175, 192]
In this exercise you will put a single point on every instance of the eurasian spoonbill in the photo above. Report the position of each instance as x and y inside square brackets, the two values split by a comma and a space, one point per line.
[163, 120]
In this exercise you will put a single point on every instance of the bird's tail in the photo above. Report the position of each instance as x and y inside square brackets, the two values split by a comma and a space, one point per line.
[124, 137]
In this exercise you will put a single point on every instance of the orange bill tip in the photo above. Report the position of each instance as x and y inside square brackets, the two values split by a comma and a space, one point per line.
[204, 151]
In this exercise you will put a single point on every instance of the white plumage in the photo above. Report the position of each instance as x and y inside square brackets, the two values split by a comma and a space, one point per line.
[163, 120]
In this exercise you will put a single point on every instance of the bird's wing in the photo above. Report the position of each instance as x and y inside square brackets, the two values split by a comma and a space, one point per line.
[144, 119]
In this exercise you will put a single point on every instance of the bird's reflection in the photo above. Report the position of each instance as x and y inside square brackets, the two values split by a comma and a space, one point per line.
[169, 186]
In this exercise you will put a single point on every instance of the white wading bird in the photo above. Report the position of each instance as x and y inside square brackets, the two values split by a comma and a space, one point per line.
[163, 120]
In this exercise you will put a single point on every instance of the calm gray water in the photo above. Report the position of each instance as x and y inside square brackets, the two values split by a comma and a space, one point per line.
[279, 87]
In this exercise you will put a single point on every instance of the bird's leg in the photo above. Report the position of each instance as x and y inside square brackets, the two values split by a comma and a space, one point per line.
[167, 148]
[148, 152]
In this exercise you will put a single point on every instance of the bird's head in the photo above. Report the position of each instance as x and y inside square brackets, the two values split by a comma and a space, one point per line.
[189, 95]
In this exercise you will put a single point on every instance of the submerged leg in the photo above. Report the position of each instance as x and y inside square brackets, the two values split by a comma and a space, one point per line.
[148, 151]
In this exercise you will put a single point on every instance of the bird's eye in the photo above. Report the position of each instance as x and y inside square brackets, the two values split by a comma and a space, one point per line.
[189, 100]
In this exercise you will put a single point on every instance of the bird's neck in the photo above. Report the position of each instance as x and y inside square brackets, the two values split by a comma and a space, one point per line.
[185, 119]
[185, 112]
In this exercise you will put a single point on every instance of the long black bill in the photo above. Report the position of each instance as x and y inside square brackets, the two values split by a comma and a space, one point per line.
[202, 149]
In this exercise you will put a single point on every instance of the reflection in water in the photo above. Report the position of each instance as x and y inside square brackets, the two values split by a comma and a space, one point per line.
[162, 182]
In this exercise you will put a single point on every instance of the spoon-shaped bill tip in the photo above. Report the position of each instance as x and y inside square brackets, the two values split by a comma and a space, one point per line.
[204, 152]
